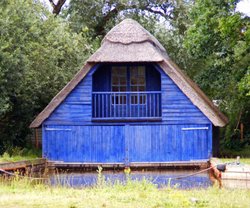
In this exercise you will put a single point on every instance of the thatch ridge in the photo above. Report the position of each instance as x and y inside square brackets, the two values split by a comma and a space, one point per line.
[129, 31]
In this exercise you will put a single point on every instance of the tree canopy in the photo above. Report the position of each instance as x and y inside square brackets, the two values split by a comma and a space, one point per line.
[38, 56]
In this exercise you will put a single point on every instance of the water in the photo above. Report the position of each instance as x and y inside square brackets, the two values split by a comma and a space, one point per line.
[160, 178]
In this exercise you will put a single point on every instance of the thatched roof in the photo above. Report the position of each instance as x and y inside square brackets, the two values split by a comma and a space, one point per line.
[130, 42]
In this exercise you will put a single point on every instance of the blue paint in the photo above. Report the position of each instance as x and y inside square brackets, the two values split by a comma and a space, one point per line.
[126, 143]
[71, 133]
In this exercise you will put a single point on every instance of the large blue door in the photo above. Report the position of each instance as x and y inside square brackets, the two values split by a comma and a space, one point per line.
[154, 143]
[89, 144]
[164, 143]
[196, 144]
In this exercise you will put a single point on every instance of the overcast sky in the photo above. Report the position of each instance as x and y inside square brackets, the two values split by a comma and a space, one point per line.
[243, 6]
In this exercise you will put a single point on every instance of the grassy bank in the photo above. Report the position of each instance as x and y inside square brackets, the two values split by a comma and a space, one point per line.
[134, 194]
[242, 160]
[19, 154]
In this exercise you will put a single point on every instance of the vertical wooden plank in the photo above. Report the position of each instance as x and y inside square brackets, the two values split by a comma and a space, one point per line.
[210, 140]
[102, 105]
[110, 105]
[157, 106]
[150, 115]
[114, 105]
[44, 142]
[127, 137]
[36, 138]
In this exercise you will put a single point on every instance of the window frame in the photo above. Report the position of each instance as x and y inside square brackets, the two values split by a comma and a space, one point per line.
[119, 100]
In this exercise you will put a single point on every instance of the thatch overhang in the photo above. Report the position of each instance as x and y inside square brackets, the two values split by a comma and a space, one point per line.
[130, 42]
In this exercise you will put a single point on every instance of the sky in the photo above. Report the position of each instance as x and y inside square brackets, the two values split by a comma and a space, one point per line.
[243, 6]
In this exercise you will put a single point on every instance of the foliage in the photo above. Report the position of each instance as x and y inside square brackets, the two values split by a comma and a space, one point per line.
[38, 56]
[219, 37]
[18, 154]
[100, 16]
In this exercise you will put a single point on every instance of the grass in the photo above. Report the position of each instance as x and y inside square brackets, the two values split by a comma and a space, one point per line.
[23, 193]
[16, 158]
[242, 160]
[19, 154]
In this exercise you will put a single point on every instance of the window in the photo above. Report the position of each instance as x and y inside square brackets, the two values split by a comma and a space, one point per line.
[124, 79]
[119, 84]
[137, 84]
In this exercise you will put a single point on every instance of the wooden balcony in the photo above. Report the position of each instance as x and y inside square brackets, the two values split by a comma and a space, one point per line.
[134, 106]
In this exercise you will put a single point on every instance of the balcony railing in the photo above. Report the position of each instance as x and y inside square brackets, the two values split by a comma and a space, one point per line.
[126, 105]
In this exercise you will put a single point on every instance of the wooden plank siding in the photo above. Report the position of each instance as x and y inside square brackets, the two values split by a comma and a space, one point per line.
[177, 108]
[183, 134]
[77, 107]
[127, 143]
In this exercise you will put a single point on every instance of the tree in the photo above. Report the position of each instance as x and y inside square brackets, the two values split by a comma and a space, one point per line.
[219, 36]
[38, 56]
[100, 16]
[57, 6]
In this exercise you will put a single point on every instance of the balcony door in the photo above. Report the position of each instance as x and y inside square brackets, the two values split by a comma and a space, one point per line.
[127, 85]
[126, 92]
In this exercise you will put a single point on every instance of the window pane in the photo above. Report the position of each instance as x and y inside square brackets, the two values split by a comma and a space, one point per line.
[133, 71]
[141, 71]
[141, 88]
[137, 78]
[123, 80]
[119, 75]
[115, 89]
[141, 80]
[123, 88]
[133, 81]
[115, 80]
[133, 88]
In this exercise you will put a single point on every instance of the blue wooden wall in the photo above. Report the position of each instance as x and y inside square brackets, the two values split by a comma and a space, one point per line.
[177, 108]
[127, 143]
[70, 135]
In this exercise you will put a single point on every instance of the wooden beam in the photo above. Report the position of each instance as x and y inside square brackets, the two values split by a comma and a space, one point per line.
[36, 138]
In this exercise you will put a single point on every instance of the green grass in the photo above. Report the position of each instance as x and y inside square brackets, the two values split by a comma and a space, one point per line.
[22, 193]
[19, 154]
[16, 158]
[242, 160]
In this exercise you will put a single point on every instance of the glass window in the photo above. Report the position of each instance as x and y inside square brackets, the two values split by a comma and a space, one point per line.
[125, 79]
[119, 84]
[138, 84]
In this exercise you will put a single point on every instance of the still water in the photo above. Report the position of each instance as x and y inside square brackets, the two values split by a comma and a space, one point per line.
[160, 178]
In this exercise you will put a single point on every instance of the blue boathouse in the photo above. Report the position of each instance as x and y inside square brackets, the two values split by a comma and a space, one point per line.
[129, 104]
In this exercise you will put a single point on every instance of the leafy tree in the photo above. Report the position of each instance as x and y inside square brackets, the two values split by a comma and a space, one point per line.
[219, 36]
[38, 56]
[100, 16]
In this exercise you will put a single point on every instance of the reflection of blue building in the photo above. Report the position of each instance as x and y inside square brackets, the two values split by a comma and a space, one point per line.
[160, 179]
[129, 104]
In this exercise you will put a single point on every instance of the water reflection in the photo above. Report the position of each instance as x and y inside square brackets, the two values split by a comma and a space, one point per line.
[160, 178]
